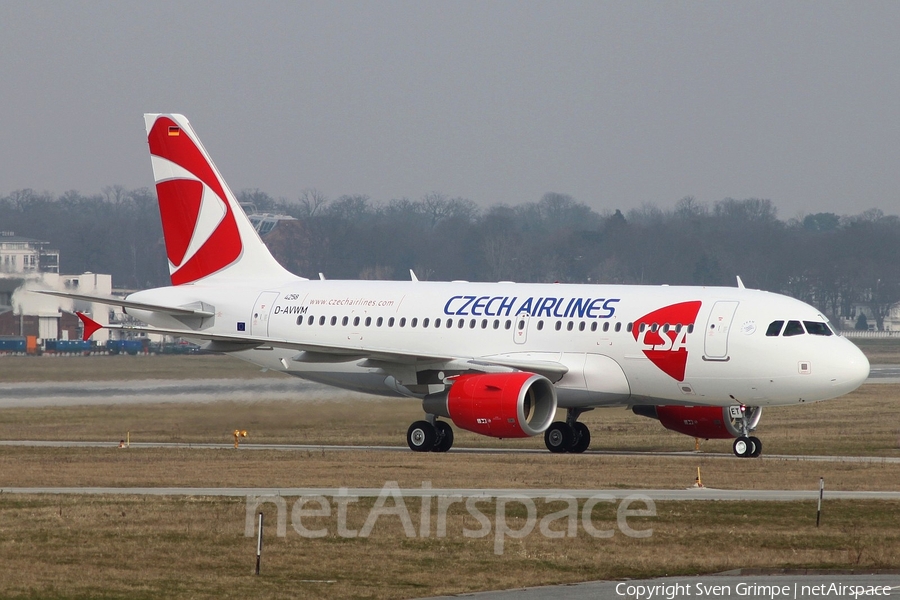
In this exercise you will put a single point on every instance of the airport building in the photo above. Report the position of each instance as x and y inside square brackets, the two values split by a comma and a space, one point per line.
[28, 264]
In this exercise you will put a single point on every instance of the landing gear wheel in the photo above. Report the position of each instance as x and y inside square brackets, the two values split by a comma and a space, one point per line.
[559, 437]
[743, 447]
[421, 436]
[582, 438]
[757, 447]
[444, 436]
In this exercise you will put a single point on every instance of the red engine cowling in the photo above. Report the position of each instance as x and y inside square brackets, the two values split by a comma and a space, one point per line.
[708, 422]
[501, 405]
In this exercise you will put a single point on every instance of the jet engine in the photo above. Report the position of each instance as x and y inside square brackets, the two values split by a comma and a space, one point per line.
[708, 422]
[501, 405]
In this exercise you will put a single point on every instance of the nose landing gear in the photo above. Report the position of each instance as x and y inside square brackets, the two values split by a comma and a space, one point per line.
[746, 418]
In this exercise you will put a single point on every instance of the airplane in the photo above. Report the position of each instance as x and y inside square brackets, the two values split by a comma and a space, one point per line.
[497, 359]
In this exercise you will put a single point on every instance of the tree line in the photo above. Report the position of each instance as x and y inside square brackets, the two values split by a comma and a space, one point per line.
[834, 262]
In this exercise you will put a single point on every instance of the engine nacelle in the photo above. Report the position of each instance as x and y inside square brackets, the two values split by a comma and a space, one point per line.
[501, 405]
[708, 422]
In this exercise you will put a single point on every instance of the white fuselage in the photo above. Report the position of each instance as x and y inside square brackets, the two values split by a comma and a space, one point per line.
[724, 356]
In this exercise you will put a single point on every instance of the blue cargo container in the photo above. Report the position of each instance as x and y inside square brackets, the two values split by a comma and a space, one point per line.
[67, 346]
[12, 344]
[131, 347]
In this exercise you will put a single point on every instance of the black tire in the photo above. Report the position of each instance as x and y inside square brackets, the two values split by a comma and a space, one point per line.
[742, 447]
[559, 437]
[582, 438]
[421, 436]
[757, 447]
[444, 436]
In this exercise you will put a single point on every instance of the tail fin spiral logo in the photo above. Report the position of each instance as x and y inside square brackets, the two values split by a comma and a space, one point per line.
[662, 335]
[198, 224]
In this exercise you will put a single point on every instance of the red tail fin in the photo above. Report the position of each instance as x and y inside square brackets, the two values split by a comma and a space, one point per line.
[205, 229]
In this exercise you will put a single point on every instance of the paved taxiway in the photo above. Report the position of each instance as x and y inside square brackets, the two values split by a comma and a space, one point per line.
[656, 495]
[455, 449]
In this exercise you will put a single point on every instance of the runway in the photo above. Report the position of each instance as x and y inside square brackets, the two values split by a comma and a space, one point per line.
[702, 494]
[148, 391]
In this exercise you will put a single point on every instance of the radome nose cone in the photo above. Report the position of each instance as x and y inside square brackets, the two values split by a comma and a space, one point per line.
[854, 370]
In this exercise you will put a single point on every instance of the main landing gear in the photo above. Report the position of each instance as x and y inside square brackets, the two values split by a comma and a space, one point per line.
[569, 435]
[429, 436]
[746, 445]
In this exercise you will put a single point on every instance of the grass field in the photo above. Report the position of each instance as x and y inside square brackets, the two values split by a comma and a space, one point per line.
[150, 547]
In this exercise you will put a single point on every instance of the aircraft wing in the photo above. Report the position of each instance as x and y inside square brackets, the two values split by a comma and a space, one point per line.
[196, 310]
[321, 353]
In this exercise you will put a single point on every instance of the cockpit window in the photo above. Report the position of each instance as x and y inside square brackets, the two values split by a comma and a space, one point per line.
[816, 328]
[793, 328]
[774, 328]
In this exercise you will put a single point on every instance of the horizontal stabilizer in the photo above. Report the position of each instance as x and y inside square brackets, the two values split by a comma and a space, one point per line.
[90, 326]
[175, 311]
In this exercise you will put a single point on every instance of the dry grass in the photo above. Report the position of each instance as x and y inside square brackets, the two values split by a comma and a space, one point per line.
[27, 467]
[104, 547]
[117, 547]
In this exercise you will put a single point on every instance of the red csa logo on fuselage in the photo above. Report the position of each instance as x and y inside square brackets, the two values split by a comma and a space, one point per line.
[662, 335]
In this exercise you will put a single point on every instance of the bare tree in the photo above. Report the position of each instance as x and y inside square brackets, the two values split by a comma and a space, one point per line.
[312, 202]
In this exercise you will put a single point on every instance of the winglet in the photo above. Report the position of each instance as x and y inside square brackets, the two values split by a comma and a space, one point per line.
[90, 325]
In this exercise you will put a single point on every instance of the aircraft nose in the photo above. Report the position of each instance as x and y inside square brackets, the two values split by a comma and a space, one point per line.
[854, 369]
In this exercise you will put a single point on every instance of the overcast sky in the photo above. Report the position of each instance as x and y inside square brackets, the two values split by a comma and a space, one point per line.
[616, 103]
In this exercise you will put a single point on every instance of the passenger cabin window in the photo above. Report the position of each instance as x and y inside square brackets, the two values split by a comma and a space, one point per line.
[816, 328]
[774, 328]
[793, 328]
